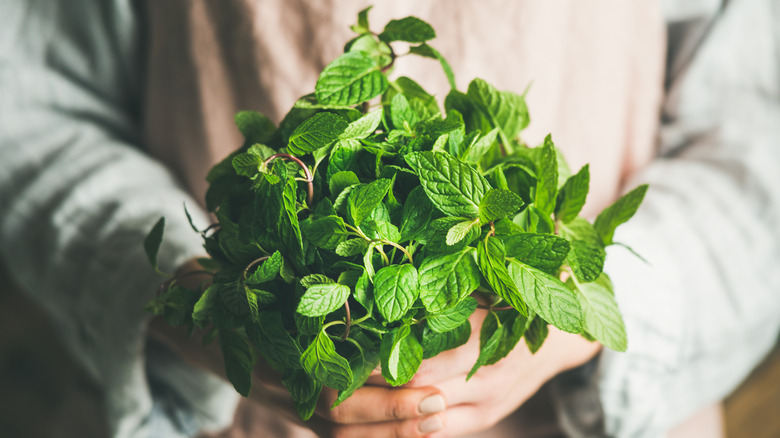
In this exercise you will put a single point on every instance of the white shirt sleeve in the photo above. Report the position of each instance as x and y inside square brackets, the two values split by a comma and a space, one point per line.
[77, 195]
[706, 308]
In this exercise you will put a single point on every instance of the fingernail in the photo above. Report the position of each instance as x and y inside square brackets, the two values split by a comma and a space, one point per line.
[432, 404]
[431, 424]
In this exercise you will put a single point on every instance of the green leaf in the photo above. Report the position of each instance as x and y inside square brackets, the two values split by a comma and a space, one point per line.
[322, 299]
[266, 271]
[153, 241]
[434, 343]
[318, 131]
[395, 289]
[491, 258]
[536, 334]
[401, 355]
[326, 232]
[429, 52]
[514, 327]
[364, 126]
[548, 297]
[587, 254]
[304, 390]
[544, 251]
[409, 29]
[479, 148]
[255, 127]
[381, 230]
[312, 279]
[487, 350]
[618, 213]
[247, 165]
[323, 364]
[401, 113]
[361, 365]
[365, 198]
[572, 196]
[239, 360]
[238, 299]
[547, 178]
[602, 316]
[452, 186]
[454, 317]
[460, 230]
[362, 21]
[447, 279]
[271, 339]
[204, 306]
[364, 292]
[505, 110]
[498, 204]
[416, 214]
[351, 79]
[351, 247]
[341, 180]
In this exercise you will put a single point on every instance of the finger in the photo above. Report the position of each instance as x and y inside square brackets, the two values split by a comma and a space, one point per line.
[413, 428]
[465, 419]
[376, 404]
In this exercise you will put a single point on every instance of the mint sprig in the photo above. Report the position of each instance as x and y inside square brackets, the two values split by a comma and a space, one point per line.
[369, 225]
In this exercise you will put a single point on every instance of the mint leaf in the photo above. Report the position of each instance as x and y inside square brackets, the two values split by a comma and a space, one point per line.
[498, 204]
[544, 251]
[266, 271]
[416, 214]
[446, 279]
[362, 21]
[247, 165]
[318, 131]
[548, 297]
[304, 390]
[361, 365]
[351, 247]
[547, 178]
[487, 350]
[395, 289]
[572, 196]
[401, 113]
[238, 299]
[479, 148]
[273, 342]
[364, 292]
[587, 254]
[505, 110]
[239, 361]
[401, 355]
[409, 29]
[323, 364]
[326, 232]
[322, 299]
[255, 127]
[351, 79]
[460, 230]
[535, 334]
[153, 241]
[452, 186]
[602, 316]
[364, 126]
[618, 213]
[452, 318]
[381, 230]
[491, 258]
[429, 52]
[434, 343]
[514, 327]
[341, 180]
[365, 198]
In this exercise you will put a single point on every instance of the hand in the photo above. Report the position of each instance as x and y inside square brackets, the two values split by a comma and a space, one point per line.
[497, 390]
[370, 412]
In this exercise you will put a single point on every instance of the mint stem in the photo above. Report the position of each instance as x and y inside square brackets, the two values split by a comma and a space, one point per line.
[306, 171]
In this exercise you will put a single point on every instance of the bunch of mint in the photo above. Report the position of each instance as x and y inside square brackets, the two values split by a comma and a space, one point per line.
[368, 226]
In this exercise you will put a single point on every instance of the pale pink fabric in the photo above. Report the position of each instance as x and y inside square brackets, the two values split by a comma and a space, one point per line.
[596, 69]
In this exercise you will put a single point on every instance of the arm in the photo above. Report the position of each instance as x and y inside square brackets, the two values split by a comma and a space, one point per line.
[705, 310]
[77, 195]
